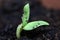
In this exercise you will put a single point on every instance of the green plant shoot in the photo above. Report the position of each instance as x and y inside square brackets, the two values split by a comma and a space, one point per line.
[28, 26]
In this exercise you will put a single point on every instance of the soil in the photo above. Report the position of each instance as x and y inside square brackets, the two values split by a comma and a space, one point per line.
[10, 17]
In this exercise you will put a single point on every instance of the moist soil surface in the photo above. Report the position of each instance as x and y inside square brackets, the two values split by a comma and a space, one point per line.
[10, 17]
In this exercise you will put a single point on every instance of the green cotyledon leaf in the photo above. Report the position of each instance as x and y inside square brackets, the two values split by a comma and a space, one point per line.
[26, 14]
[35, 24]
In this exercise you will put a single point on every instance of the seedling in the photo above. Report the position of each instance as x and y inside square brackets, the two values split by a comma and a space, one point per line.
[28, 26]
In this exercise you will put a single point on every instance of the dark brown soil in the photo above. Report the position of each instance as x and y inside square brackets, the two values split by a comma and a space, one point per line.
[10, 18]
